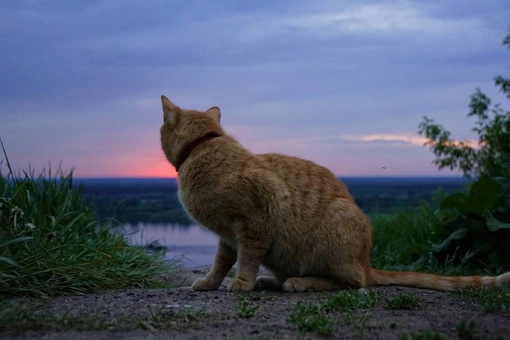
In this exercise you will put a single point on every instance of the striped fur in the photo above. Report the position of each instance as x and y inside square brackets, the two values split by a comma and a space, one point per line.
[288, 214]
[430, 281]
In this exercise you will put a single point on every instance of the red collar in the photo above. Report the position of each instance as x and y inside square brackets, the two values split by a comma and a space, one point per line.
[186, 152]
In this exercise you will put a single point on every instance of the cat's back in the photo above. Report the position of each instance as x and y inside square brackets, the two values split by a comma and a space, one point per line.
[306, 180]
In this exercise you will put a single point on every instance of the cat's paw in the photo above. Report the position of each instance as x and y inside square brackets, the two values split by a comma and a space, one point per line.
[310, 283]
[205, 284]
[295, 284]
[267, 283]
[240, 285]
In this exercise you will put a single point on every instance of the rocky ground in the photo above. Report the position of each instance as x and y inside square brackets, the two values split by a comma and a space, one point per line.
[184, 314]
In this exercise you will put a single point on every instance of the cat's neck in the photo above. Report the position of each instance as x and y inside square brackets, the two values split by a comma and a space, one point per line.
[186, 152]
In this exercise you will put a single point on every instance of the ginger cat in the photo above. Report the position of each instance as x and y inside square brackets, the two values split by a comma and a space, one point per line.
[288, 214]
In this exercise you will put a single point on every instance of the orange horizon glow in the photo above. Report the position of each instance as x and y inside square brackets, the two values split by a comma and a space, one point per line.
[157, 171]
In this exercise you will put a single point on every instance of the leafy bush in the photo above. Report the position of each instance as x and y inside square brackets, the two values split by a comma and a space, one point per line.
[475, 233]
[477, 224]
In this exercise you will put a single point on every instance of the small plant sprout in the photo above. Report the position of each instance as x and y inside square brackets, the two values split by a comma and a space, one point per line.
[403, 301]
[244, 310]
[466, 330]
[308, 318]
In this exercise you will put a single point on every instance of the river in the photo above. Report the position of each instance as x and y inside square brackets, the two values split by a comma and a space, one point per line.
[192, 245]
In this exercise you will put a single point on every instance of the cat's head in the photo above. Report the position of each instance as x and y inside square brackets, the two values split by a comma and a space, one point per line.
[182, 127]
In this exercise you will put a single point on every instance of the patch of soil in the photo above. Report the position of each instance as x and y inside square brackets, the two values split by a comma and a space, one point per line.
[185, 314]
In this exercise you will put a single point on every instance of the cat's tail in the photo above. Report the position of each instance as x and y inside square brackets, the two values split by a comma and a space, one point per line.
[431, 281]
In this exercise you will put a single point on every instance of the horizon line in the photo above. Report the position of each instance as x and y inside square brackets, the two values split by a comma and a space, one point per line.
[338, 176]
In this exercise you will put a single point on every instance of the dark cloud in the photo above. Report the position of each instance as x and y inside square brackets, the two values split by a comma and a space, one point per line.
[355, 67]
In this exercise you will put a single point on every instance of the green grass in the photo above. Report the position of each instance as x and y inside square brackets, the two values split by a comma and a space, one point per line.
[347, 300]
[319, 318]
[18, 315]
[52, 242]
[357, 320]
[309, 318]
[490, 300]
[245, 310]
[356, 304]
[425, 335]
[402, 239]
[403, 301]
[466, 330]
[161, 317]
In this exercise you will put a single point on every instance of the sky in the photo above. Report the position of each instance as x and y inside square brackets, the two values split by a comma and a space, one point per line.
[342, 83]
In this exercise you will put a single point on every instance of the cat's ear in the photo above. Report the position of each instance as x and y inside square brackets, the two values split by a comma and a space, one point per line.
[215, 113]
[169, 110]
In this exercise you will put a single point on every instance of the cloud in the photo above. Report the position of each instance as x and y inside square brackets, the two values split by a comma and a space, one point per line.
[404, 138]
[377, 17]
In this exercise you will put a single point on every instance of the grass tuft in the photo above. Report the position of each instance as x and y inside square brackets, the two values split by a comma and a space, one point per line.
[244, 309]
[495, 299]
[466, 330]
[317, 317]
[52, 242]
[347, 300]
[403, 301]
[425, 335]
[308, 318]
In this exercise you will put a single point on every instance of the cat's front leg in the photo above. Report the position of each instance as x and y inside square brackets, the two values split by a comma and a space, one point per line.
[225, 259]
[250, 254]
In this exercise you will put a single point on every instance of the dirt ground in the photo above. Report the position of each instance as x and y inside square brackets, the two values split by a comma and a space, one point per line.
[181, 313]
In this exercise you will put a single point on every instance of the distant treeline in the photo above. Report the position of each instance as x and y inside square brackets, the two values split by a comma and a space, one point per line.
[377, 195]
[155, 200]
[135, 200]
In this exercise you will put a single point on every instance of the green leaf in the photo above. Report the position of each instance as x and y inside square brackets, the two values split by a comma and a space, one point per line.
[8, 261]
[456, 235]
[456, 200]
[483, 196]
[17, 240]
[493, 224]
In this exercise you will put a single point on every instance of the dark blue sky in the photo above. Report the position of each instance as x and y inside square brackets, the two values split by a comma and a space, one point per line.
[344, 84]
